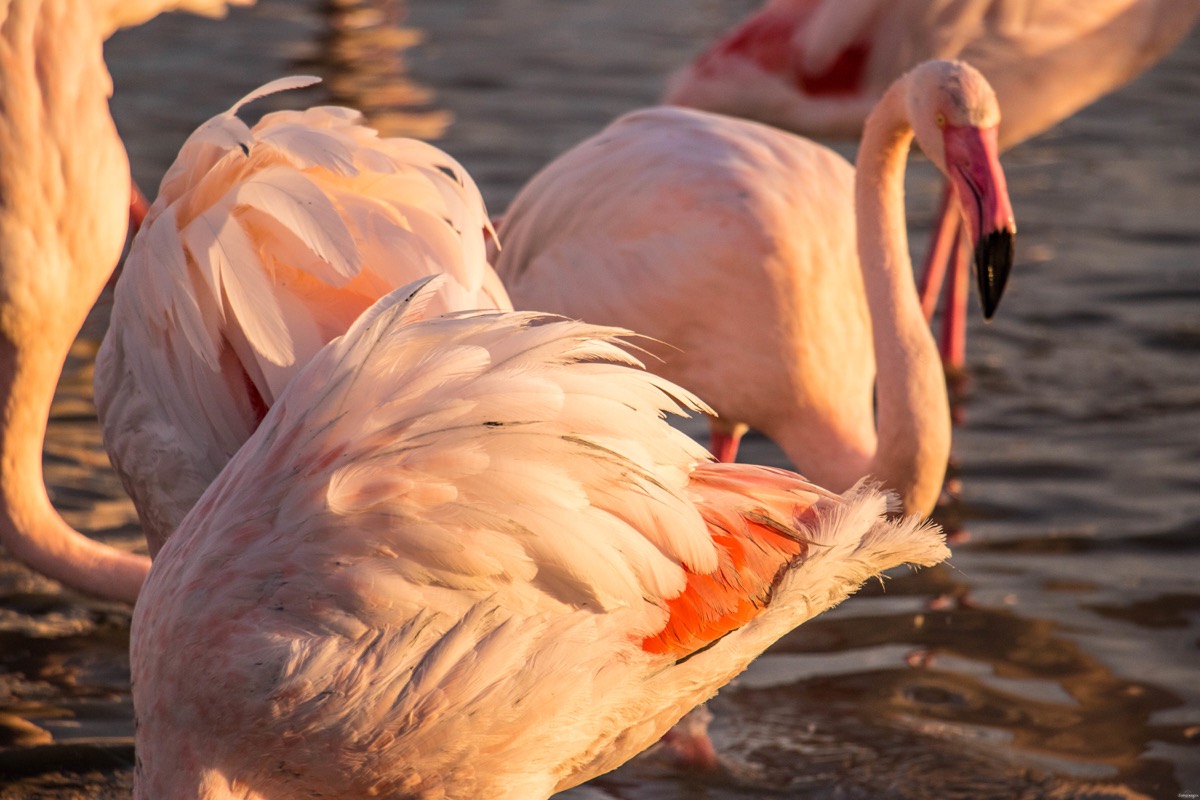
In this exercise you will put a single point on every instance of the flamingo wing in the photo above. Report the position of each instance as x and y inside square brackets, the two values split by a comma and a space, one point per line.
[834, 40]
[264, 243]
[802, 65]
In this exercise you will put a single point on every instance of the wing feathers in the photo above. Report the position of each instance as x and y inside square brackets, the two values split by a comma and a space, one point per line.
[264, 243]
[776, 534]
[469, 420]
[221, 243]
[292, 201]
[305, 147]
[273, 87]
[481, 451]
[832, 30]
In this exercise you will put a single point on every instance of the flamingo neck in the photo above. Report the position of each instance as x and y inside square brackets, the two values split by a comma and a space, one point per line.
[30, 529]
[912, 410]
[64, 191]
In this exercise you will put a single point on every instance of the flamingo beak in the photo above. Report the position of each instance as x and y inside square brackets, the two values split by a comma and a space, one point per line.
[972, 160]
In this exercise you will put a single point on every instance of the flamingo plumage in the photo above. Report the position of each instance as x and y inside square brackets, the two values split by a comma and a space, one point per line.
[736, 246]
[64, 184]
[466, 556]
[816, 67]
[264, 243]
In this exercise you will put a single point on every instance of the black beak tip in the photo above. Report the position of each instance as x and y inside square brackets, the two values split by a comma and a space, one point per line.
[993, 262]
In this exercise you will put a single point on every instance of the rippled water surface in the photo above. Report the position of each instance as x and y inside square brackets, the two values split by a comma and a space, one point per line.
[1055, 656]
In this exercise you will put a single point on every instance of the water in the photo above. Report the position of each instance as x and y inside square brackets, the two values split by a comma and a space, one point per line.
[1055, 656]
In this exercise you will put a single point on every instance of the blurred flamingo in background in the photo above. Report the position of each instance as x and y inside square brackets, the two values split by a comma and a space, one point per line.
[817, 67]
[734, 245]
[263, 244]
[64, 198]
[467, 557]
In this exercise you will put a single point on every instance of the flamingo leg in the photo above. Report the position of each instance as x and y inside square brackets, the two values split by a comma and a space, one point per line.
[954, 314]
[725, 438]
[941, 250]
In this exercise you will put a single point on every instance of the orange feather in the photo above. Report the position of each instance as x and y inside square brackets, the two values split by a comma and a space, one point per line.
[754, 549]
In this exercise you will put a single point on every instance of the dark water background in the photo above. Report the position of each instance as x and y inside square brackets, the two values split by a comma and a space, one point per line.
[1055, 656]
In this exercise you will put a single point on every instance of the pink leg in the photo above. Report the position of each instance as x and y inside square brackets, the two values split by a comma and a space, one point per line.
[941, 250]
[726, 437]
[954, 314]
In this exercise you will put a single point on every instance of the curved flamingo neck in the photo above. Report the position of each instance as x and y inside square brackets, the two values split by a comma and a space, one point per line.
[30, 528]
[912, 410]
[64, 192]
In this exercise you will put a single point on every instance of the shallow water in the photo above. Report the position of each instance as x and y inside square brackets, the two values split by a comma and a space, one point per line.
[1056, 656]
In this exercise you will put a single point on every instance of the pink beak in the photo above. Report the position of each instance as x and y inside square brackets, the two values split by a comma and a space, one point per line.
[972, 159]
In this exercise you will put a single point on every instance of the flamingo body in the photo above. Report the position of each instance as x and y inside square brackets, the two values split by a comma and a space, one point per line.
[735, 245]
[727, 244]
[263, 244]
[466, 557]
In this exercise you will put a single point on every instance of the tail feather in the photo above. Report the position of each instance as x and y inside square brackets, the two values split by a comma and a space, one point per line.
[780, 539]
[852, 541]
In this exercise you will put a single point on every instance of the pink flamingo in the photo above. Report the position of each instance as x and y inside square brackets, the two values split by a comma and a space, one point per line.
[817, 67]
[64, 195]
[467, 557]
[263, 244]
[734, 246]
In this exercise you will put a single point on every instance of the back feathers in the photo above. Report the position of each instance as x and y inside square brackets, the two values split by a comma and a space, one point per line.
[543, 446]
[263, 244]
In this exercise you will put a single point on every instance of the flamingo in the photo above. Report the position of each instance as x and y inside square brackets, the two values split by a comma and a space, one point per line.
[816, 67]
[263, 244]
[735, 245]
[64, 196]
[466, 556]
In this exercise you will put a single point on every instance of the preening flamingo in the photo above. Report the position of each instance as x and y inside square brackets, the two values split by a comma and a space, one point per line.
[816, 67]
[64, 200]
[263, 244]
[735, 244]
[467, 557]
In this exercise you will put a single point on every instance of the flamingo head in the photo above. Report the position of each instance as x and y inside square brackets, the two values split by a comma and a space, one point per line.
[955, 119]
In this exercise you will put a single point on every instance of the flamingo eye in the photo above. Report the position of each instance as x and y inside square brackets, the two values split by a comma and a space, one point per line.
[940, 119]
